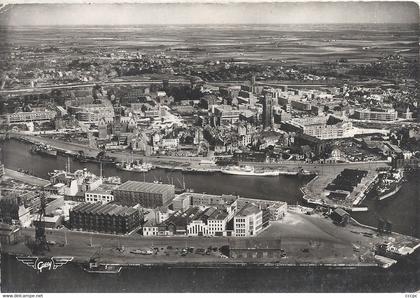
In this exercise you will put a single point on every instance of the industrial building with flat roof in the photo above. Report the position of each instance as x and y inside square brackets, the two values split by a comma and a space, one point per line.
[257, 249]
[148, 195]
[109, 218]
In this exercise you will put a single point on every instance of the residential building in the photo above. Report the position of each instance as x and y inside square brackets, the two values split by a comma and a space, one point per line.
[93, 112]
[33, 116]
[170, 142]
[150, 228]
[328, 127]
[376, 114]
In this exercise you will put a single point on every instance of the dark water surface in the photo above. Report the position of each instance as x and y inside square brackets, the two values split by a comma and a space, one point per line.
[403, 277]
[17, 155]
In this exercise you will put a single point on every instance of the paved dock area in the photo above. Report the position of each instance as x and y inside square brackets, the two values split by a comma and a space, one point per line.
[9, 173]
[305, 239]
[315, 191]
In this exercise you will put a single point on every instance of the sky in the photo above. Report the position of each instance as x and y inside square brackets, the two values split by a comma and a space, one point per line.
[225, 13]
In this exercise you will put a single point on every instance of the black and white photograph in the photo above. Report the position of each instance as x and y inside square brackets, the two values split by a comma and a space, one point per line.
[209, 147]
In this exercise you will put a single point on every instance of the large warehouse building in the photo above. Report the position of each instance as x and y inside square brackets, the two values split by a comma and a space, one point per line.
[148, 195]
[109, 218]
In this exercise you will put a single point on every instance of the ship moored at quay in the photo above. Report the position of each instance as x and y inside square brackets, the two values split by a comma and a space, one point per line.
[134, 167]
[389, 184]
[251, 171]
[100, 268]
[44, 150]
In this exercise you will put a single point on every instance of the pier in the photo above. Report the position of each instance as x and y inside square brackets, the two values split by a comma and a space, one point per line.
[9, 173]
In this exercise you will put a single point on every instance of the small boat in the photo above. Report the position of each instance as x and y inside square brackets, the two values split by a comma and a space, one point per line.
[105, 159]
[95, 267]
[303, 172]
[112, 180]
[179, 190]
[142, 252]
[53, 173]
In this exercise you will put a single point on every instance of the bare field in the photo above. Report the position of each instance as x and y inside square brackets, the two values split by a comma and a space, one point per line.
[295, 44]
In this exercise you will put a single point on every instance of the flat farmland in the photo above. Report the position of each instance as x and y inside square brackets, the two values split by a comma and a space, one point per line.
[302, 44]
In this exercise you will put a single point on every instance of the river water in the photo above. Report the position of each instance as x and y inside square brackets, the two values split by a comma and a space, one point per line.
[402, 210]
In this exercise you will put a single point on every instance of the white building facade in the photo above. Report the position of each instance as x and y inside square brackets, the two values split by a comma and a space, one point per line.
[98, 196]
[248, 221]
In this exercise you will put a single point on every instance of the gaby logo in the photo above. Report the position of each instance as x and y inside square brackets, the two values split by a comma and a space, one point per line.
[41, 264]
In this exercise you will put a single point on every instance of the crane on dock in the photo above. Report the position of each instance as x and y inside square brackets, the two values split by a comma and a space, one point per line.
[41, 243]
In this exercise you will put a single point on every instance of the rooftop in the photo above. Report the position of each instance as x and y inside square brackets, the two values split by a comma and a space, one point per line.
[103, 189]
[248, 209]
[251, 244]
[146, 187]
[107, 209]
[205, 214]
[182, 219]
[219, 214]
[321, 120]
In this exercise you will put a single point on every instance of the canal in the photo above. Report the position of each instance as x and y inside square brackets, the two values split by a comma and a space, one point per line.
[402, 210]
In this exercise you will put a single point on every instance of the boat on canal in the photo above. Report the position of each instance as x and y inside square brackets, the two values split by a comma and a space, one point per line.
[44, 150]
[390, 184]
[134, 166]
[248, 171]
[94, 267]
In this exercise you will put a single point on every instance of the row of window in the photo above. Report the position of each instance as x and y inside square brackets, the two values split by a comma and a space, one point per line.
[150, 228]
[99, 196]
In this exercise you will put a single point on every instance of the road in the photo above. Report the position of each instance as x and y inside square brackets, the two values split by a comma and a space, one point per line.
[90, 84]
[180, 81]
[136, 82]
[319, 168]
[110, 83]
